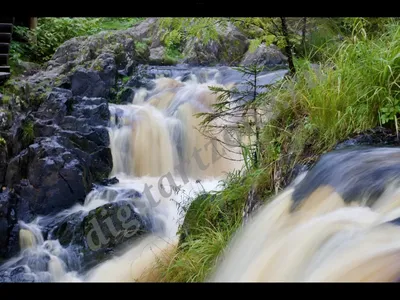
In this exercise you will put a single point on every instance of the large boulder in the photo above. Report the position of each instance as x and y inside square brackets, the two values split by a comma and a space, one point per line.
[157, 56]
[93, 236]
[229, 48]
[56, 177]
[266, 56]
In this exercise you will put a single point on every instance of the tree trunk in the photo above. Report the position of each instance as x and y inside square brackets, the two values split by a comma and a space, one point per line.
[303, 33]
[288, 47]
[257, 154]
[32, 23]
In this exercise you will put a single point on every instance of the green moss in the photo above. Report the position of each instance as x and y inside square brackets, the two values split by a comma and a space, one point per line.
[125, 79]
[97, 68]
[3, 142]
[147, 41]
[6, 99]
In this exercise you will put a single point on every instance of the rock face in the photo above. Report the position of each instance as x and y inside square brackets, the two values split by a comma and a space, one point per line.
[269, 56]
[68, 150]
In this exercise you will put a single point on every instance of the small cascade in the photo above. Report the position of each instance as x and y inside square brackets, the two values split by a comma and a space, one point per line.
[161, 158]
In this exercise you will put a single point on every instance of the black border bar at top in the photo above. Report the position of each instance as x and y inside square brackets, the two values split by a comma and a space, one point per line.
[197, 8]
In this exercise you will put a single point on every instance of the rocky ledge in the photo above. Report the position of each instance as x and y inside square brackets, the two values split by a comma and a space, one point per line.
[56, 154]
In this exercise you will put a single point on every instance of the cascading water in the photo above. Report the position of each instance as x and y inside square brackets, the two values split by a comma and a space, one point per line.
[162, 161]
[338, 222]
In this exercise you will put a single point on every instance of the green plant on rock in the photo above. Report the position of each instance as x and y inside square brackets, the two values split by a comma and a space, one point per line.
[3, 142]
[178, 30]
[28, 134]
[389, 113]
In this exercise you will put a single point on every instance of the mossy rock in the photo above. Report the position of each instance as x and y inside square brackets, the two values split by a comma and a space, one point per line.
[195, 216]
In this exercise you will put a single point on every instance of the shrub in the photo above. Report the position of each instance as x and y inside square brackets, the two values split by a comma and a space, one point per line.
[52, 32]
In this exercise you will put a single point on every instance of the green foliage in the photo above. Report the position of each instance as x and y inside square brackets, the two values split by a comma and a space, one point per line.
[125, 79]
[28, 134]
[175, 32]
[372, 27]
[3, 142]
[355, 89]
[52, 32]
[140, 46]
[178, 30]
[254, 45]
[210, 221]
[388, 113]
[172, 55]
[117, 23]
[326, 34]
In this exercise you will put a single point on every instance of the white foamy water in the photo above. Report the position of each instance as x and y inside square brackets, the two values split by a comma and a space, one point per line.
[160, 152]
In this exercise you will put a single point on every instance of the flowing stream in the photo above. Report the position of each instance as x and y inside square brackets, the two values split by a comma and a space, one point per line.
[337, 222]
[159, 153]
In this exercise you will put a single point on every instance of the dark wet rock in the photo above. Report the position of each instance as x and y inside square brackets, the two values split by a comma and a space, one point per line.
[88, 83]
[253, 202]
[376, 137]
[268, 56]
[360, 174]
[109, 181]
[5, 119]
[8, 224]
[57, 179]
[18, 274]
[56, 106]
[95, 235]
[395, 222]
[126, 96]
[106, 65]
[87, 51]
[67, 152]
[3, 160]
[87, 65]
[358, 167]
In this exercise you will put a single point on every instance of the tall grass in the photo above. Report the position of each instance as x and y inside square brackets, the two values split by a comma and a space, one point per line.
[209, 224]
[344, 94]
